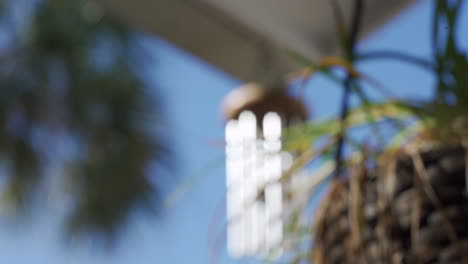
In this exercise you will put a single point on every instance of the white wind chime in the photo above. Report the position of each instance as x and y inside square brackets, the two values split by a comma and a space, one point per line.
[255, 162]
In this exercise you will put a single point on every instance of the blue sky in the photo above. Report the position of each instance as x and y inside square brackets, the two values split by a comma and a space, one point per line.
[192, 91]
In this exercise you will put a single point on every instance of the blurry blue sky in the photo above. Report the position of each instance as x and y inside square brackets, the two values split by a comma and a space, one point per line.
[192, 91]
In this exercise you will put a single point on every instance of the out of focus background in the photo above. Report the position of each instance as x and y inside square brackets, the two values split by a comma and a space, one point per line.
[111, 137]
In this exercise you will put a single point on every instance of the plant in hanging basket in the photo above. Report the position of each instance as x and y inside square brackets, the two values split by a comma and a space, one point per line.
[403, 201]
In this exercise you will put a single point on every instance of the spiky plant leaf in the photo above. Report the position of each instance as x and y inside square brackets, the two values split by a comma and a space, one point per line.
[302, 136]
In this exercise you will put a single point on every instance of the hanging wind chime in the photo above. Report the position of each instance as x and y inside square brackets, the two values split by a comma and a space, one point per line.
[255, 162]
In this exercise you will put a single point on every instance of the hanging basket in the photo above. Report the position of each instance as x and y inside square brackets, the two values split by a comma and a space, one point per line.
[412, 210]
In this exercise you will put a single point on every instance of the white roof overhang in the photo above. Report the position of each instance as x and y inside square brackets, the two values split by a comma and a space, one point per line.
[248, 38]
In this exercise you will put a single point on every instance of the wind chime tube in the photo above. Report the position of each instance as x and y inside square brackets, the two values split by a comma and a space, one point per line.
[241, 184]
[248, 127]
[234, 166]
[273, 194]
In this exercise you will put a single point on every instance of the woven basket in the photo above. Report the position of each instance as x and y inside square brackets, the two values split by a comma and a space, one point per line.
[414, 210]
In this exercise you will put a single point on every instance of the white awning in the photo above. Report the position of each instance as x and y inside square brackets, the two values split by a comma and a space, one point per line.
[248, 38]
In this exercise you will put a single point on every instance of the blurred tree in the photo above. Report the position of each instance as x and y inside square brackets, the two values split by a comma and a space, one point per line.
[74, 100]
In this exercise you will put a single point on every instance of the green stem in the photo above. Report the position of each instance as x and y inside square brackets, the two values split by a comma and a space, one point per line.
[348, 84]
[395, 55]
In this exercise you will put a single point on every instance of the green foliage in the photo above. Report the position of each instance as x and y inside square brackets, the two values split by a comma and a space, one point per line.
[71, 76]
[302, 136]
[442, 119]
[449, 102]
[452, 62]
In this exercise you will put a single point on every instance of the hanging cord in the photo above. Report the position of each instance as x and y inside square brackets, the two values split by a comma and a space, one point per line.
[349, 50]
